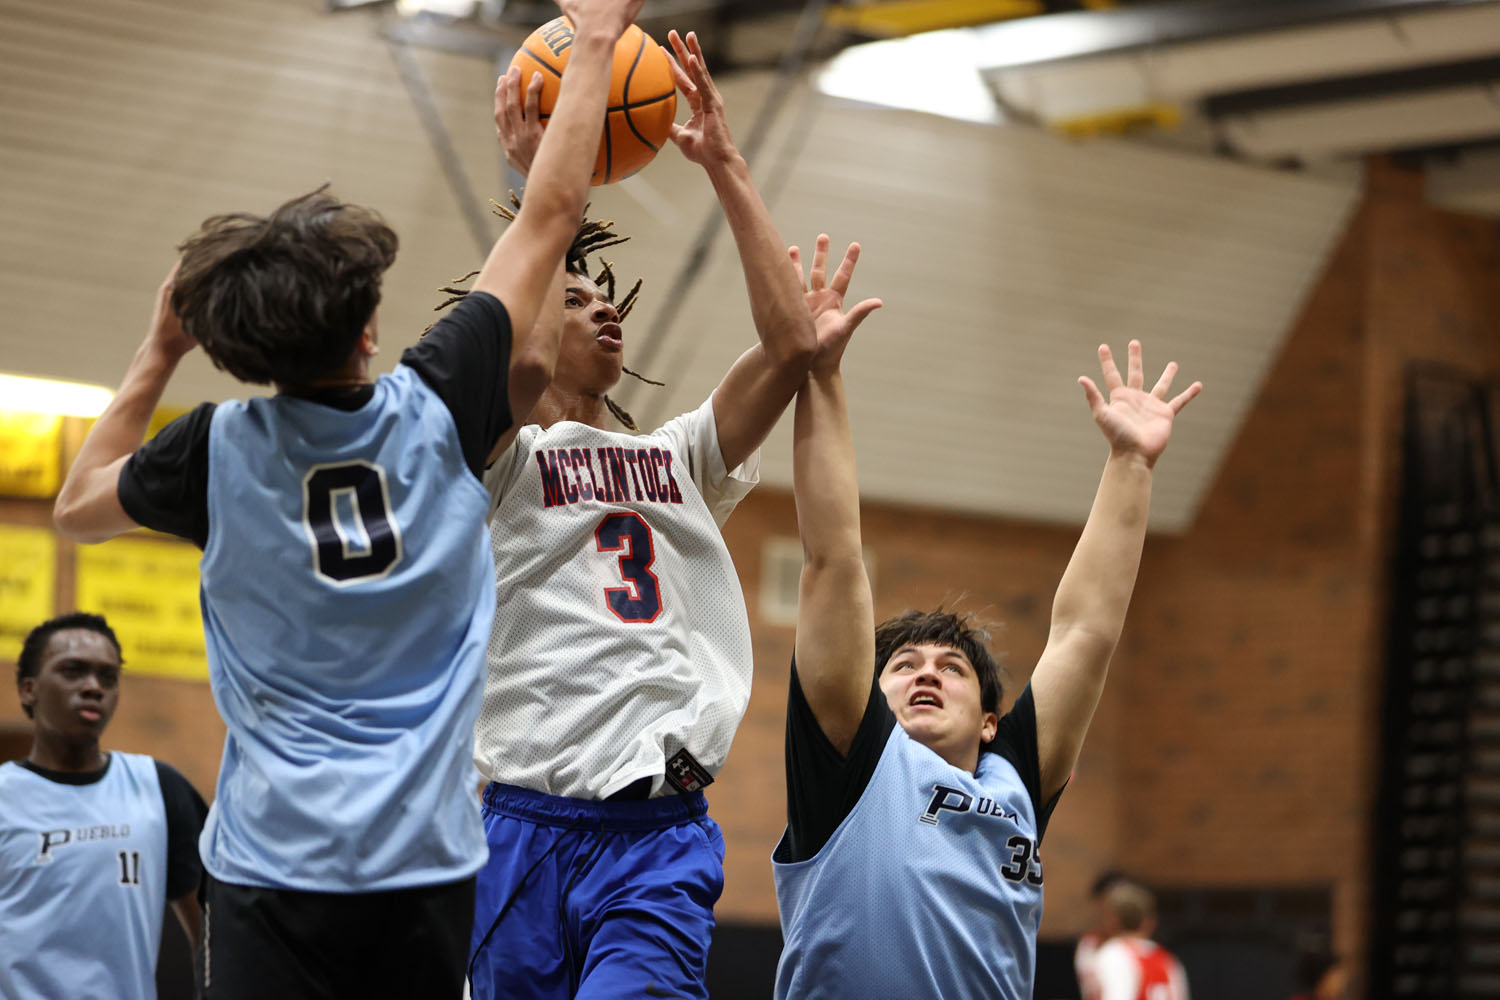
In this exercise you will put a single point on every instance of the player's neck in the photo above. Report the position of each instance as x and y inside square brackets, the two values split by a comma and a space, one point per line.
[353, 373]
[62, 755]
[558, 404]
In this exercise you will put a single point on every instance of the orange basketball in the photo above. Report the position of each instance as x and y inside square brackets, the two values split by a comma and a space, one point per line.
[642, 94]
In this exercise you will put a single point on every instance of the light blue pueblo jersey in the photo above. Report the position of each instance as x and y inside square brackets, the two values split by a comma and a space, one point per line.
[83, 883]
[931, 887]
[347, 591]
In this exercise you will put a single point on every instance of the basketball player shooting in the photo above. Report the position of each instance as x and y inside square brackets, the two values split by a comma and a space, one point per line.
[910, 863]
[347, 595]
[619, 666]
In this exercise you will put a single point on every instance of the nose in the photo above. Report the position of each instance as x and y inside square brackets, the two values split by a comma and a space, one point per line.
[927, 673]
[90, 685]
[605, 312]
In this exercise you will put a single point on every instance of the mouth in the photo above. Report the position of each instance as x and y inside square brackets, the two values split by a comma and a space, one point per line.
[611, 336]
[88, 713]
[925, 699]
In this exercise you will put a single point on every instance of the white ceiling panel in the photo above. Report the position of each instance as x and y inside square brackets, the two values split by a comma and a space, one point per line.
[1005, 256]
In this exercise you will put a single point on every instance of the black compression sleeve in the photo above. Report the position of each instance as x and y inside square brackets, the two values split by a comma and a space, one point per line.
[822, 785]
[465, 359]
[1015, 740]
[164, 485]
[186, 812]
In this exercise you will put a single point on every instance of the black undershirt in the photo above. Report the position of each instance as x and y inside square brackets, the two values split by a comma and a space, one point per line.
[185, 811]
[465, 359]
[823, 786]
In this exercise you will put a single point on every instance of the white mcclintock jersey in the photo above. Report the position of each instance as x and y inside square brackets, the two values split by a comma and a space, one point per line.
[620, 632]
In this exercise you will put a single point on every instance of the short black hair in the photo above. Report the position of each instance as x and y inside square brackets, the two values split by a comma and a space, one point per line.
[940, 627]
[283, 298]
[29, 663]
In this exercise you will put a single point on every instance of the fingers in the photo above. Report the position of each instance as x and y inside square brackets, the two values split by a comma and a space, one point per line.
[796, 255]
[842, 276]
[1112, 380]
[860, 312]
[1134, 377]
[533, 111]
[508, 102]
[683, 81]
[691, 73]
[819, 275]
[1164, 384]
[1091, 391]
[700, 75]
[1185, 396]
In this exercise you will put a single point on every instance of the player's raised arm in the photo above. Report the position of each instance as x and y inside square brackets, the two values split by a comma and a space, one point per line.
[835, 611]
[1088, 611]
[523, 267]
[761, 383]
[88, 506]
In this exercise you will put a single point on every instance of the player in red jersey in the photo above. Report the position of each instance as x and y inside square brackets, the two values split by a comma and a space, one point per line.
[1130, 966]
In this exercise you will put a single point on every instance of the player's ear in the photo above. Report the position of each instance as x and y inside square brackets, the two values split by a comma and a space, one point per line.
[26, 687]
[989, 727]
[369, 338]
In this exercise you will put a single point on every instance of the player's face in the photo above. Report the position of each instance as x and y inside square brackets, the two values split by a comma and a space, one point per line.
[593, 344]
[75, 690]
[934, 693]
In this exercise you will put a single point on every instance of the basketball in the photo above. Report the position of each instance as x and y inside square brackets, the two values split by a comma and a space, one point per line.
[642, 94]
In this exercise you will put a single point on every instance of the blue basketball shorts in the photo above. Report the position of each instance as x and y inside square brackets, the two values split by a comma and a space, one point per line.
[594, 899]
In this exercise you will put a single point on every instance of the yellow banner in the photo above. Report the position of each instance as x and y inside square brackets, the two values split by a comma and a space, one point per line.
[149, 592]
[28, 584]
[30, 456]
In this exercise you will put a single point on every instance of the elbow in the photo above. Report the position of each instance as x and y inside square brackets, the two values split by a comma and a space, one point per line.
[68, 521]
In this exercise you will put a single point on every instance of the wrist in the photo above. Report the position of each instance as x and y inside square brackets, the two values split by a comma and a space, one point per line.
[161, 353]
[726, 165]
[1132, 458]
[591, 40]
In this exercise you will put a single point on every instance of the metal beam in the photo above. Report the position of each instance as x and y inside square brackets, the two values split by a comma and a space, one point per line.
[1083, 34]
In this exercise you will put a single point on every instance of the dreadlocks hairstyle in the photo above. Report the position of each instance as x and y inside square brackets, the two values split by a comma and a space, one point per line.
[593, 235]
[941, 627]
[283, 298]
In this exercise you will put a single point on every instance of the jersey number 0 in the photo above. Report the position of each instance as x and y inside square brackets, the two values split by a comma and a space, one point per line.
[346, 509]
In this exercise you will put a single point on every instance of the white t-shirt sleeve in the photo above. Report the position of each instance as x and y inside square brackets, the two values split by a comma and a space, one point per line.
[696, 436]
[1117, 972]
[1179, 982]
[502, 473]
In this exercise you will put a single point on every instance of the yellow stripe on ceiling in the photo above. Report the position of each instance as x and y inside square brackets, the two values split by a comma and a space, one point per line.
[896, 18]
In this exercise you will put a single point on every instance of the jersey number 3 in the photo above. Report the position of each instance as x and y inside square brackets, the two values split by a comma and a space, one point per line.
[346, 509]
[629, 534]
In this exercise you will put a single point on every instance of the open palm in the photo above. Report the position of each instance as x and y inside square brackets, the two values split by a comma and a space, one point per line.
[705, 137]
[825, 301]
[1133, 420]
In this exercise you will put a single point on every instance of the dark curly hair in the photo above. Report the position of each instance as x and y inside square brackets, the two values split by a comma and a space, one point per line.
[941, 627]
[29, 663]
[283, 299]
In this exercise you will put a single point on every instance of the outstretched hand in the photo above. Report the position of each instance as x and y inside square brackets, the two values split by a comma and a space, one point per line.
[1133, 420]
[825, 302]
[705, 138]
[518, 118]
[166, 327]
